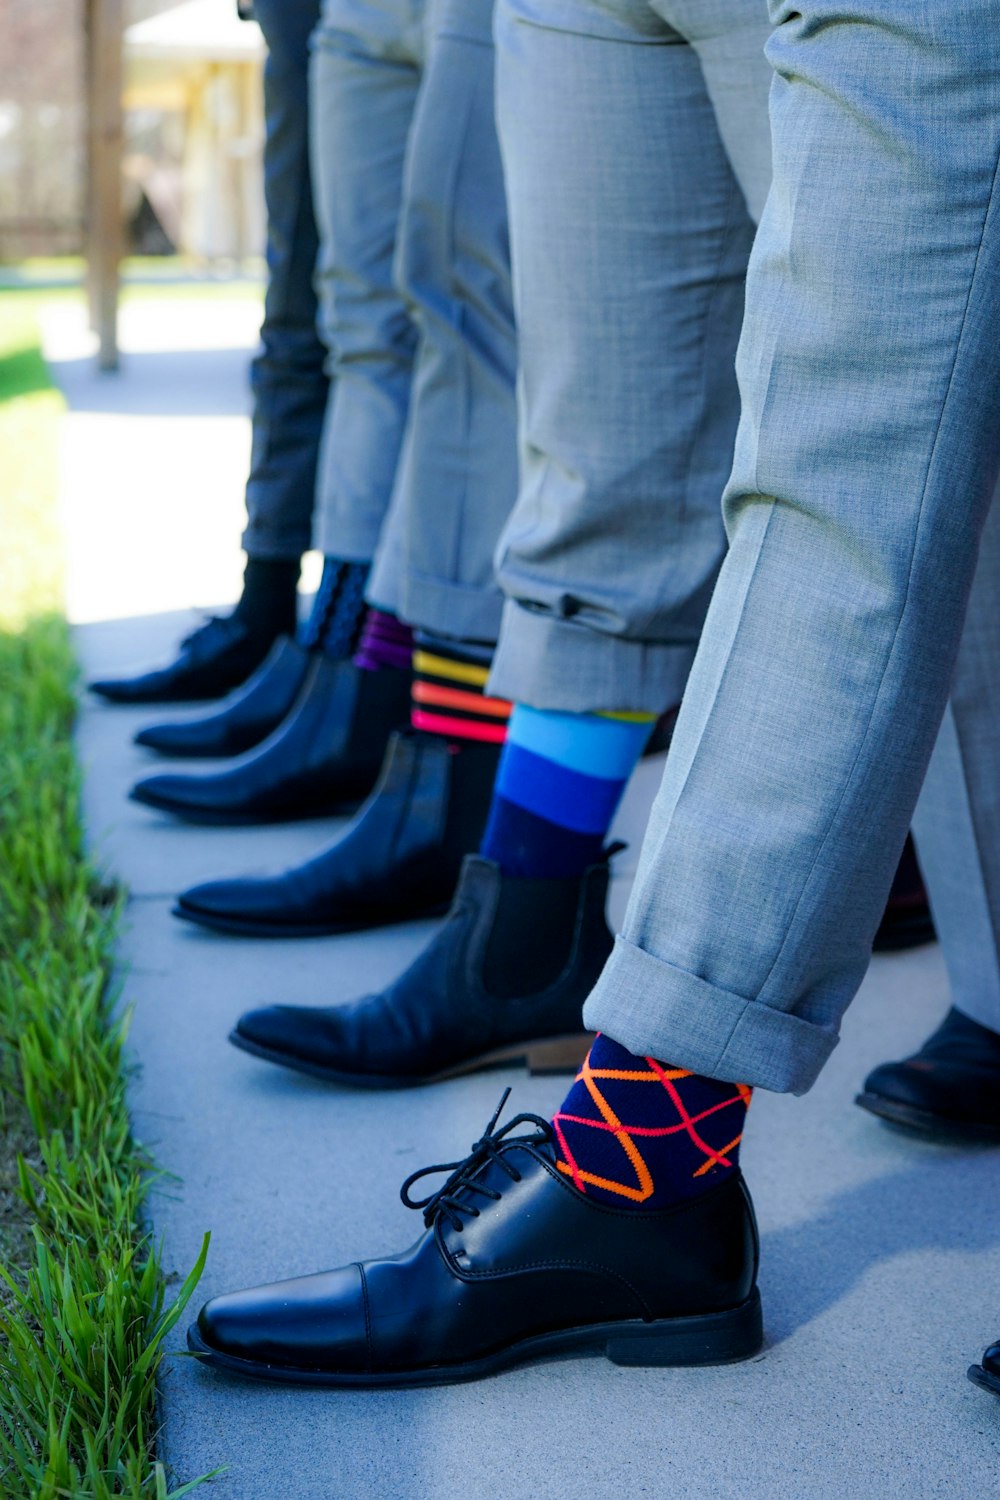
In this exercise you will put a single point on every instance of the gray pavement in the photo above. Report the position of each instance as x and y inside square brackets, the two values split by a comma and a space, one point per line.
[881, 1255]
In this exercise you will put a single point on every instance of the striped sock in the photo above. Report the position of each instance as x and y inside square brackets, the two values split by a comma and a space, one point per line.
[448, 697]
[338, 610]
[385, 642]
[560, 780]
[636, 1132]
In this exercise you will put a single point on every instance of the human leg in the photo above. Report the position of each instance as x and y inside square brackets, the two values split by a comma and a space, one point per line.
[951, 1086]
[457, 475]
[454, 488]
[629, 232]
[854, 520]
[290, 385]
[289, 396]
[364, 81]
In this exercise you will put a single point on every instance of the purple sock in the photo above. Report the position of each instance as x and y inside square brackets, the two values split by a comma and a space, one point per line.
[385, 642]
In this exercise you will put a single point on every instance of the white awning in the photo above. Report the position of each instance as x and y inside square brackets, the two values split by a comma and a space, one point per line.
[196, 31]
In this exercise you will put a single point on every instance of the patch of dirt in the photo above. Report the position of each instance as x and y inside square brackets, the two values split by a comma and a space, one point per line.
[17, 1248]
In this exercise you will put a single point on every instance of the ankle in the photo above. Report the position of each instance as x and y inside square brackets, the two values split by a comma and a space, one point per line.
[267, 604]
[386, 641]
[338, 611]
[636, 1131]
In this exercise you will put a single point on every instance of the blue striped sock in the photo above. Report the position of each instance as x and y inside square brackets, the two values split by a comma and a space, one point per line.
[560, 780]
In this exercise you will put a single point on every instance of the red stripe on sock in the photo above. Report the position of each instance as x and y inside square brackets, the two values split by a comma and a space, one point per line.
[459, 729]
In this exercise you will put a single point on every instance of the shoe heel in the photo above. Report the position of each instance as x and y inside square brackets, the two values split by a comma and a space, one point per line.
[713, 1339]
[561, 1054]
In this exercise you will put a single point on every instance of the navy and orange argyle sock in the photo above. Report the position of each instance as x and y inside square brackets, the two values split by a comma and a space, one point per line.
[636, 1132]
[560, 781]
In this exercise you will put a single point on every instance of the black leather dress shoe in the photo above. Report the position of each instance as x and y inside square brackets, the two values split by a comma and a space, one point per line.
[515, 1265]
[249, 714]
[212, 660]
[987, 1374]
[398, 860]
[324, 757]
[503, 981]
[950, 1089]
[907, 920]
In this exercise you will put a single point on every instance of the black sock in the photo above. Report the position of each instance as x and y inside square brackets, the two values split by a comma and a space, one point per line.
[338, 614]
[268, 601]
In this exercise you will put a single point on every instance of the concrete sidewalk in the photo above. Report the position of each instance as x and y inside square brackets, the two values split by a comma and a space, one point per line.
[881, 1255]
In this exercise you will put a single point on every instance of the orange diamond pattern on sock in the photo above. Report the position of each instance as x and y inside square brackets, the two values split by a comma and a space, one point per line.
[640, 1131]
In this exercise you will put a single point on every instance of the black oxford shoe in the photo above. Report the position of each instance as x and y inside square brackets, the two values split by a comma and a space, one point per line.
[987, 1374]
[949, 1090]
[398, 860]
[324, 757]
[249, 714]
[503, 981]
[515, 1265]
[212, 660]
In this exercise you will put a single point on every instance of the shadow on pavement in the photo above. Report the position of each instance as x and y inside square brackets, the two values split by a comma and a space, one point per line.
[946, 1201]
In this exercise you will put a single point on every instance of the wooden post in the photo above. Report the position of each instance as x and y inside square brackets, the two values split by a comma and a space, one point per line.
[105, 25]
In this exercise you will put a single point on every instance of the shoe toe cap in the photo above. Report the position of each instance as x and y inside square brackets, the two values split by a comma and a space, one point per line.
[232, 900]
[171, 793]
[293, 1031]
[266, 900]
[991, 1360]
[899, 1082]
[166, 738]
[313, 1323]
[126, 689]
[951, 1091]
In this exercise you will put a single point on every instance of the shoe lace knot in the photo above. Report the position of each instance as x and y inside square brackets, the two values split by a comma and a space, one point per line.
[451, 1200]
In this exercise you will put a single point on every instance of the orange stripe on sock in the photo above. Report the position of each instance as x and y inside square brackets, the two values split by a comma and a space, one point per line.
[637, 1195]
[624, 1140]
[473, 703]
[461, 729]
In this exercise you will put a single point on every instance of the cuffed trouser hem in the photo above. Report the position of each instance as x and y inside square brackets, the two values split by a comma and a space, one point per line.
[547, 662]
[273, 548]
[447, 609]
[656, 1010]
[351, 541]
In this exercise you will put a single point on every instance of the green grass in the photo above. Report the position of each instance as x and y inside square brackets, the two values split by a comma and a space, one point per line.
[140, 274]
[82, 1304]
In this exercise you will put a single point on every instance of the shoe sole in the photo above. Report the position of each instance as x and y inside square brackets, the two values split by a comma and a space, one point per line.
[244, 927]
[157, 702]
[202, 752]
[223, 818]
[923, 1122]
[710, 1339]
[984, 1379]
[550, 1055]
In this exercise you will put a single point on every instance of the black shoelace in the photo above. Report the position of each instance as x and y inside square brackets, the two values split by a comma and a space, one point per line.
[451, 1200]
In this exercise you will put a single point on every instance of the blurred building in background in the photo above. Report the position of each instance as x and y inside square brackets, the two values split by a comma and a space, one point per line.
[193, 129]
[42, 127]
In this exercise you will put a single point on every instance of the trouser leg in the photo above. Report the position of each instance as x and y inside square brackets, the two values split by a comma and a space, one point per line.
[865, 463]
[630, 236]
[957, 822]
[364, 79]
[288, 378]
[457, 477]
